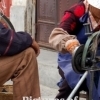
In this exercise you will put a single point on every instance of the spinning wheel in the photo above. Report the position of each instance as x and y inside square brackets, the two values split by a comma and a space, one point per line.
[86, 60]
[86, 57]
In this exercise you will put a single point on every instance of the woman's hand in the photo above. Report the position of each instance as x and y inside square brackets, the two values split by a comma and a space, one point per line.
[72, 45]
[73, 49]
[35, 46]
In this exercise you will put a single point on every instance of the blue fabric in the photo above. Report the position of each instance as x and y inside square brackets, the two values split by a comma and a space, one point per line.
[81, 35]
[19, 41]
[95, 92]
[64, 62]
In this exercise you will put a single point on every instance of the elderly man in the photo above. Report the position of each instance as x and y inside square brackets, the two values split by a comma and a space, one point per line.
[18, 52]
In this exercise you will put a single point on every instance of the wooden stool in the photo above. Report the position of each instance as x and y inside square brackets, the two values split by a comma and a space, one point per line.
[6, 92]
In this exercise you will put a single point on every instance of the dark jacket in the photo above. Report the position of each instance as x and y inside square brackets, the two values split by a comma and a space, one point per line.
[12, 43]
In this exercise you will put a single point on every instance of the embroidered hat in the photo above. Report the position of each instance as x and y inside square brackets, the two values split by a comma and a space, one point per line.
[94, 3]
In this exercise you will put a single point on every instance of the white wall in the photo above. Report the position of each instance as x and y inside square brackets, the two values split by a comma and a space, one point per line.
[17, 14]
[22, 15]
[19, 2]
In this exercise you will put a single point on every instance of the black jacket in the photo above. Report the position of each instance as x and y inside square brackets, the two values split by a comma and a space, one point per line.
[12, 43]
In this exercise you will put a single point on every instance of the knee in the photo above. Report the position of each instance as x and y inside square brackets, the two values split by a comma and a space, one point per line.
[30, 52]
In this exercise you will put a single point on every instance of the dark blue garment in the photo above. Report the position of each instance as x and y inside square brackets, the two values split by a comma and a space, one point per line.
[13, 42]
[81, 36]
[64, 62]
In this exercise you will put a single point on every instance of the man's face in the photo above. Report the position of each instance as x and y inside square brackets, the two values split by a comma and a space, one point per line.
[95, 12]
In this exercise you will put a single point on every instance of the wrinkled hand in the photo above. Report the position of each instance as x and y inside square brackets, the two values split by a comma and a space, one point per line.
[73, 49]
[72, 45]
[35, 46]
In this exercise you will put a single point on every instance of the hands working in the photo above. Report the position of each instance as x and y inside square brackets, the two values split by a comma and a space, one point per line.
[72, 45]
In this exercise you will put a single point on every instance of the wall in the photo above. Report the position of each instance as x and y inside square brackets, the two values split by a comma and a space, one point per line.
[22, 15]
[19, 2]
[7, 4]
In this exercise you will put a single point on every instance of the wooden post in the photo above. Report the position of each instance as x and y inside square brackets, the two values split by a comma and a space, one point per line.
[27, 12]
[34, 18]
[30, 17]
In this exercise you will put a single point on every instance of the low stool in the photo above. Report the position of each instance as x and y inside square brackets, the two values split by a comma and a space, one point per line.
[6, 92]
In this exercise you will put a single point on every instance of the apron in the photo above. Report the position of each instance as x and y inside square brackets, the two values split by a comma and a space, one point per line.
[64, 62]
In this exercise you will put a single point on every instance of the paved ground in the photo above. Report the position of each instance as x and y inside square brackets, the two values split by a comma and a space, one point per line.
[48, 72]
[47, 92]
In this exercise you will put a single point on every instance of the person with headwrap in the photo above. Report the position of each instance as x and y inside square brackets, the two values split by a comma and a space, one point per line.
[67, 37]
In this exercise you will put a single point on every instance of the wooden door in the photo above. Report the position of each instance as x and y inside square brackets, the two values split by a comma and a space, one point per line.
[48, 14]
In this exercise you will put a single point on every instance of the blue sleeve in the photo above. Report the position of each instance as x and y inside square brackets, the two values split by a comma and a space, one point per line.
[12, 43]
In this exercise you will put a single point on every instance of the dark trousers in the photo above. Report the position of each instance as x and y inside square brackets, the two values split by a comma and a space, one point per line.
[65, 90]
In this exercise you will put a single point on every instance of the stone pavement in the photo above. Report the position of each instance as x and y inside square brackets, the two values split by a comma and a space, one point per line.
[48, 72]
[47, 92]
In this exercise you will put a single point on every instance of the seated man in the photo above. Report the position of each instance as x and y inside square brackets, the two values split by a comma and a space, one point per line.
[18, 52]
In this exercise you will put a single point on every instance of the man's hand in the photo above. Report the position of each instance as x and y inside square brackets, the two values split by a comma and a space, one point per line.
[35, 46]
